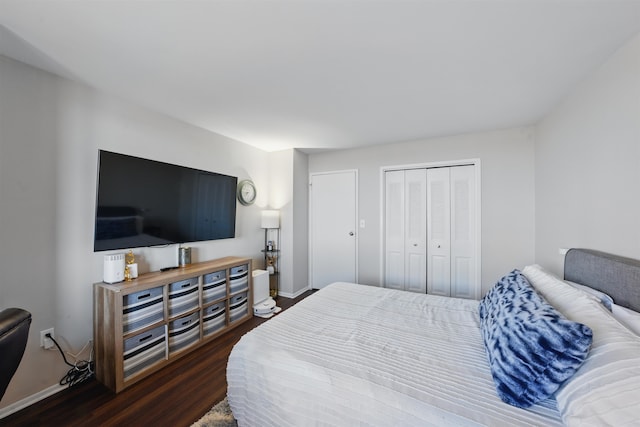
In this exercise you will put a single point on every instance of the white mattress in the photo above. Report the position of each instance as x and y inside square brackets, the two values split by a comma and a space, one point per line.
[360, 355]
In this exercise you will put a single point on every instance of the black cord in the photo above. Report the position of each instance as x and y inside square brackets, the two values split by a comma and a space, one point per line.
[80, 372]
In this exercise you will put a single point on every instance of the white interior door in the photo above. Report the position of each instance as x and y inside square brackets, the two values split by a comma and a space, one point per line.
[333, 219]
[438, 232]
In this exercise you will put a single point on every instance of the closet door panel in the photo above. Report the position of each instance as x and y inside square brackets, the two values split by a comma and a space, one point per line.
[395, 271]
[463, 232]
[439, 277]
[415, 230]
[462, 277]
[438, 232]
[394, 230]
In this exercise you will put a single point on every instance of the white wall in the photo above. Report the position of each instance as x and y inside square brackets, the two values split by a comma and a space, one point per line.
[50, 132]
[281, 192]
[507, 181]
[588, 165]
[288, 193]
[300, 258]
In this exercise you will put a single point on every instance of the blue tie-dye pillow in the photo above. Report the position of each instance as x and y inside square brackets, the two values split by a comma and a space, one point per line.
[532, 348]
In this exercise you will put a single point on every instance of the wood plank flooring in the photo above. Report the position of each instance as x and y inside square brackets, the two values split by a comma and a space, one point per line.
[177, 395]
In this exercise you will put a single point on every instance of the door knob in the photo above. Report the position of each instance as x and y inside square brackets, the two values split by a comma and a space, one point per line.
[351, 233]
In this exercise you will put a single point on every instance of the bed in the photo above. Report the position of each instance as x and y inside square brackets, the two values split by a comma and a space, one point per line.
[352, 354]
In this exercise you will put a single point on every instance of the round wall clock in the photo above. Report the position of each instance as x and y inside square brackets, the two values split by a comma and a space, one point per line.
[246, 192]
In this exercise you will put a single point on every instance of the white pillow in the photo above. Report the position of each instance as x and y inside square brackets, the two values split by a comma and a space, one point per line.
[604, 299]
[606, 388]
[629, 318]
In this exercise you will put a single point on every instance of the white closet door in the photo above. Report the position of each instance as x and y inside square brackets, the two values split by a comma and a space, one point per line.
[463, 232]
[415, 230]
[394, 229]
[431, 231]
[438, 232]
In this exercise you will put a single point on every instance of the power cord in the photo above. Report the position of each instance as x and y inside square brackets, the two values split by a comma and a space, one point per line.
[80, 371]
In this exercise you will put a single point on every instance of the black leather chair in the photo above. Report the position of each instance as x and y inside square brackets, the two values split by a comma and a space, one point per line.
[14, 332]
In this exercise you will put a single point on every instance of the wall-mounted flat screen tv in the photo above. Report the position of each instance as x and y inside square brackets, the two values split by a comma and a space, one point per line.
[144, 202]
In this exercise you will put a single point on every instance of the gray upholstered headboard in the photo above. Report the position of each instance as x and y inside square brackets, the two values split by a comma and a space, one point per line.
[614, 275]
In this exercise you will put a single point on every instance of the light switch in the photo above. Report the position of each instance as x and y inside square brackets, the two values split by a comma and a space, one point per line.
[362, 223]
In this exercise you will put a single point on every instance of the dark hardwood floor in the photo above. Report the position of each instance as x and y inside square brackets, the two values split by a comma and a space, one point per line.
[177, 395]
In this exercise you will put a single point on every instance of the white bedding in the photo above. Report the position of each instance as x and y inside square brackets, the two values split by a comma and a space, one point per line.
[360, 355]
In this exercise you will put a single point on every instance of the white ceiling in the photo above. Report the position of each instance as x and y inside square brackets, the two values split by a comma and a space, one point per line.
[326, 74]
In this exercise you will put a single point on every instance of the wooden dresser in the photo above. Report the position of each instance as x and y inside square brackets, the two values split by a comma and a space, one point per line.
[142, 325]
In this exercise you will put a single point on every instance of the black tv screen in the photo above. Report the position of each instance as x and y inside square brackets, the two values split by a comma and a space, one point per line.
[143, 202]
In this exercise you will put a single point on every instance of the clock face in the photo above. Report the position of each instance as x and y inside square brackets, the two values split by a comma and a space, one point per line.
[246, 192]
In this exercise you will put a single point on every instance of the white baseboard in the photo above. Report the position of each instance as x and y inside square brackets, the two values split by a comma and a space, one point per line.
[294, 295]
[30, 400]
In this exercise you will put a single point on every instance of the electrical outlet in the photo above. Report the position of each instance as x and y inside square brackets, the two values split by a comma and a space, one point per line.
[44, 341]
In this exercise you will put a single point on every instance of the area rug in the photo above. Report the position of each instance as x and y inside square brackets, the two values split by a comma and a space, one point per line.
[218, 416]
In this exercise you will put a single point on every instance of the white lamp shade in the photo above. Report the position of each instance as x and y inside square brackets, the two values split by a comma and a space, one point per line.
[270, 219]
